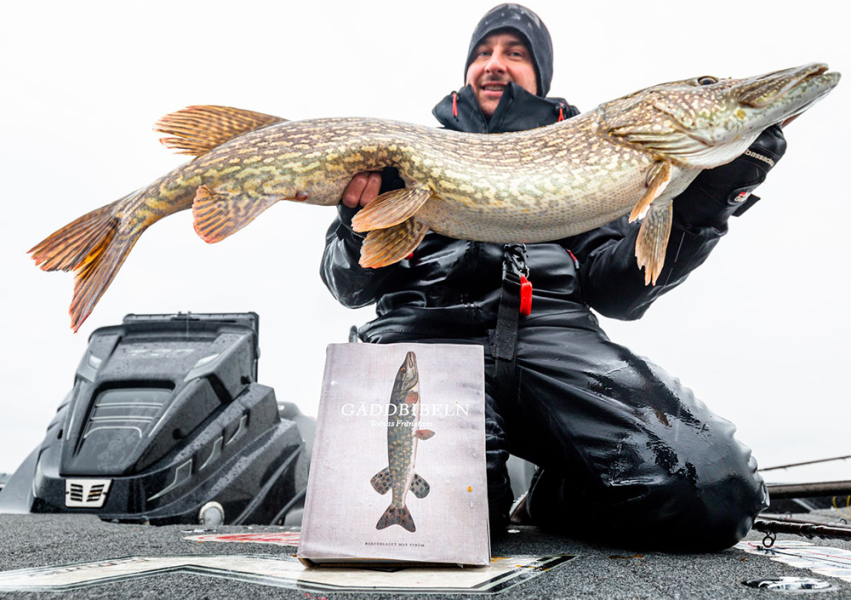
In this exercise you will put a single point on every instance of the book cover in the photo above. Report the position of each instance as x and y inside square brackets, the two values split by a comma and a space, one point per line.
[398, 468]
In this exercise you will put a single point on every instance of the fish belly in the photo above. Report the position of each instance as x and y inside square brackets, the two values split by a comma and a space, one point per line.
[536, 209]
[400, 454]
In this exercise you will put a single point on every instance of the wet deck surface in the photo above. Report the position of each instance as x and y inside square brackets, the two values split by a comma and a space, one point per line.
[212, 569]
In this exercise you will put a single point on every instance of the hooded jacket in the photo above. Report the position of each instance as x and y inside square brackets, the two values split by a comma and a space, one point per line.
[452, 287]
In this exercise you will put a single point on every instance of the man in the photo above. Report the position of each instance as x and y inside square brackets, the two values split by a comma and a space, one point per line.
[626, 452]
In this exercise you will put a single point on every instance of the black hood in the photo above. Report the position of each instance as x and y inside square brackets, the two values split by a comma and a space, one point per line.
[518, 110]
[528, 25]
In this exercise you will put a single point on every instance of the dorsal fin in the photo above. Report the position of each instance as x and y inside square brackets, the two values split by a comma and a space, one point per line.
[202, 128]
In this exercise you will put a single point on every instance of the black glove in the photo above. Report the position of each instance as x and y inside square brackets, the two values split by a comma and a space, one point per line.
[718, 193]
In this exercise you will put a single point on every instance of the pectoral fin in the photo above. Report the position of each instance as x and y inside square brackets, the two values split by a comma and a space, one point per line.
[657, 181]
[387, 246]
[423, 434]
[390, 208]
[420, 487]
[218, 215]
[652, 240]
[381, 481]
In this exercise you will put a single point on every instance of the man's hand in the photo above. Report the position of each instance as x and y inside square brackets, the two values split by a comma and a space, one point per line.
[751, 167]
[718, 193]
[362, 189]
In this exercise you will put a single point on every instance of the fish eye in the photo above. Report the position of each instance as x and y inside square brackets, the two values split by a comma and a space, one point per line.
[706, 80]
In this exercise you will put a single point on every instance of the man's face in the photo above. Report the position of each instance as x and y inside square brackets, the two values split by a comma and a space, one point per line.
[497, 60]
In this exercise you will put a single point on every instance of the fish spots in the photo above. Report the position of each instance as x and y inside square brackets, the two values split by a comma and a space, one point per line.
[245, 173]
[298, 168]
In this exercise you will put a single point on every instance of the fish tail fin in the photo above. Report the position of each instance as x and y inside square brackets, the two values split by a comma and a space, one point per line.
[397, 515]
[94, 248]
[68, 248]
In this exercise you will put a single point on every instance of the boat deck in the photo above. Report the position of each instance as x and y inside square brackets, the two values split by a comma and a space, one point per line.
[80, 556]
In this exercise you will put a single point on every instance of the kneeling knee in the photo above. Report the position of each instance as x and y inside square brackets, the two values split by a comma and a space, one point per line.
[712, 517]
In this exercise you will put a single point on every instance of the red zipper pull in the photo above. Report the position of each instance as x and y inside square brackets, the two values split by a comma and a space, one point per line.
[561, 107]
[455, 104]
[575, 260]
[525, 296]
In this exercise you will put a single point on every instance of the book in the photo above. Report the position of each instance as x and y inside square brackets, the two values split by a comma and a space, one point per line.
[398, 468]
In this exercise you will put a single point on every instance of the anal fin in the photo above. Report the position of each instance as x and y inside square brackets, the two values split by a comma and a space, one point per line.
[390, 208]
[218, 215]
[387, 246]
[657, 181]
[652, 241]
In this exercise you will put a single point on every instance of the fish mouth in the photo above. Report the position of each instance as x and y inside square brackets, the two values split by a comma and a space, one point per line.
[411, 377]
[807, 83]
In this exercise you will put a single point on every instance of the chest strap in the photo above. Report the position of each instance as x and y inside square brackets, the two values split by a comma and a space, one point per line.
[504, 341]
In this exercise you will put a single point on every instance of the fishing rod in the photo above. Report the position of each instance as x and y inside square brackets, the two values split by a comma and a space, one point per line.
[809, 462]
[808, 529]
[809, 490]
[787, 519]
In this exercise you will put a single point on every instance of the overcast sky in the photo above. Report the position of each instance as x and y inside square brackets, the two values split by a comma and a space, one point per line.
[760, 332]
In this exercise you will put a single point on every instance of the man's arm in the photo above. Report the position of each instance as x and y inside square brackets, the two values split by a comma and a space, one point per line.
[352, 285]
[611, 282]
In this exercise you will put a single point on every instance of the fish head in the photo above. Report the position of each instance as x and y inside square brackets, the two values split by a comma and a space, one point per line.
[408, 375]
[705, 121]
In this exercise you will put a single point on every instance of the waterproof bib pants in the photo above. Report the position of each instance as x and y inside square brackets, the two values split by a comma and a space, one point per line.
[629, 455]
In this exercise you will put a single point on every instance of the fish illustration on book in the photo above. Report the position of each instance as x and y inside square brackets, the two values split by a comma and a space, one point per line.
[402, 438]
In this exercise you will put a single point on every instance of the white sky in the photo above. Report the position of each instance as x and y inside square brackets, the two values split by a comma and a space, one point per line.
[759, 332]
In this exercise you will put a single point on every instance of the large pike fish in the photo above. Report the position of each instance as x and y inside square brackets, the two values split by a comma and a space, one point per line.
[632, 155]
[402, 437]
